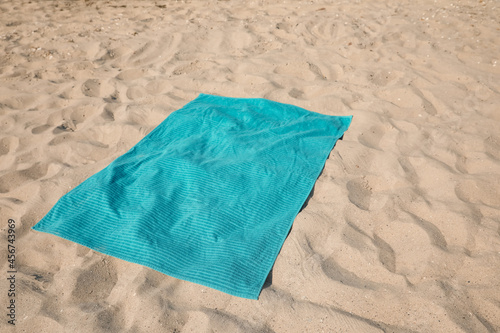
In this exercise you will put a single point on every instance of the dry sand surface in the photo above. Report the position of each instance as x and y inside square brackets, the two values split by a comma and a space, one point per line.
[402, 233]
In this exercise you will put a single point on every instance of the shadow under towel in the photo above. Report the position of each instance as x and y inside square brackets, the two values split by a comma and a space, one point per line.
[208, 196]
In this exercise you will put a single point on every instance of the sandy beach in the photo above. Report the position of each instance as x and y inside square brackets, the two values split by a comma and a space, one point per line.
[402, 232]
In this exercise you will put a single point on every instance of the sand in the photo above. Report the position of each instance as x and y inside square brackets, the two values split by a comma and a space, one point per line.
[402, 232]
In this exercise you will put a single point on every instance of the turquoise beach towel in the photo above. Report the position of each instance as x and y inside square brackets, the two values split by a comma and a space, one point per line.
[208, 196]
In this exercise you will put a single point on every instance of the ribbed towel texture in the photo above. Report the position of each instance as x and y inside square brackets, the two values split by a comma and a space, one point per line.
[208, 196]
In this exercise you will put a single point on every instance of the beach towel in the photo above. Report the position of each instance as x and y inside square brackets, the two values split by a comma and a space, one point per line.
[208, 196]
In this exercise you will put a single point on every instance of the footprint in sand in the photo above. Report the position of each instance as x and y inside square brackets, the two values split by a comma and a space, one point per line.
[40, 129]
[322, 30]
[372, 137]
[94, 284]
[359, 193]
[83, 113]
[110, 320]
[8, 144]
[97, 88]
[158, 86]
[136, 93]
[151, 51]
[131, 74]
[109, 112]
[492, 146]
[6, 124]
[152, 281]
[15, 179]
[36, 278]
[296, 93]
[385, 77]
[21, 101]
[92, 88]
[115, 54]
